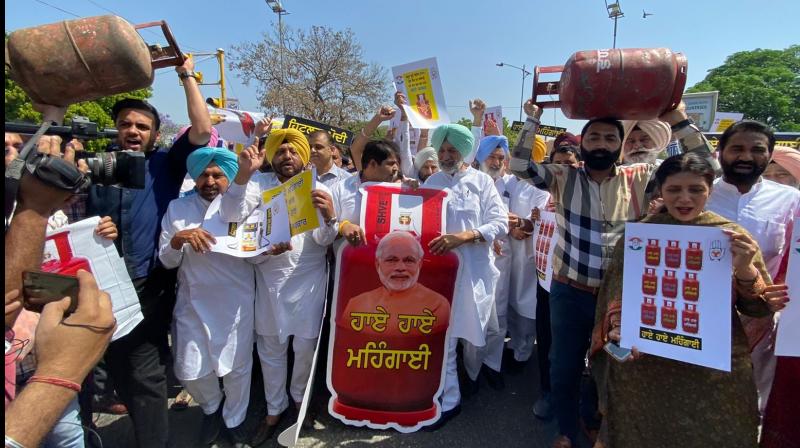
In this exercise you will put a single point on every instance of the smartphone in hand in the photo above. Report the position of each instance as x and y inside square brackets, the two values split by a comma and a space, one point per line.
[617, 352]
[40, 288]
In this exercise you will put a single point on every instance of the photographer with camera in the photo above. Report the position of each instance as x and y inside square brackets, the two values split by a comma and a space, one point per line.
[137, 361]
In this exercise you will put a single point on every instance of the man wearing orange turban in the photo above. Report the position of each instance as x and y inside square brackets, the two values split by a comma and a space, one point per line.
[643, 140]
[785, 166]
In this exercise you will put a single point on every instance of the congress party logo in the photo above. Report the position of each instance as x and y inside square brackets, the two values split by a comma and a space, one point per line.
[635, 243]
[716, 252]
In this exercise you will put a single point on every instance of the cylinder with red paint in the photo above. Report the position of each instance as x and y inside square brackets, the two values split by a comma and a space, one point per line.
[62, 260]
[649, 311]
[672, 254]
[669, 284]
[694, 256]
[652, 253]
[691, 287]
[691, 318]
[650, 282]
[669, 315]
[629, 84]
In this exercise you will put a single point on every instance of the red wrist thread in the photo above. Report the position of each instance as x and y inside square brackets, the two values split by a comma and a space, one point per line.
[55, 382]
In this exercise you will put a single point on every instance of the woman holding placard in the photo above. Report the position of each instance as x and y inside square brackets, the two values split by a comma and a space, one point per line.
[655, 401]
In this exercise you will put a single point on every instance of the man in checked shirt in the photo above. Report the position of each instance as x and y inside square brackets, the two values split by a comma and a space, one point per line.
[593, 203]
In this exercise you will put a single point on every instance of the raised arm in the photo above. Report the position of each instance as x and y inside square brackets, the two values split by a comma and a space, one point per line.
[243, 195]
[385, 113]
[540, 176]
[200, 132]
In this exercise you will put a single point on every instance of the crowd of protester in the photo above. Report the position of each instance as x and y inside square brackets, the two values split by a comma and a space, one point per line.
[218, 307]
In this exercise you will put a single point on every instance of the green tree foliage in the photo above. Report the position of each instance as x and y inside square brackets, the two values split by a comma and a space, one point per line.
[762, 84]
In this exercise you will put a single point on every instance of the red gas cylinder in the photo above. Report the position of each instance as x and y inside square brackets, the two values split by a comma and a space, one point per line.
[672, 256]
[59, 258]
[652, 253]
[650, 281]
[694, 256]
[628, 84]
[84, 59]
[691, 287]
[649, 311]
[691, 318]
[669, 315]
[669, 284]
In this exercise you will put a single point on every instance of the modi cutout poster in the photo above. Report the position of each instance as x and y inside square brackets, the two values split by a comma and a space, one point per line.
[676, 293]
[390, 313]
[422, 85]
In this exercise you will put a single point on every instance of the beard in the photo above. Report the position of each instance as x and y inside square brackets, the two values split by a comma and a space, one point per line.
[449, 167]
[599, 159]
[492, 172]
[644, 155]
[742, 177]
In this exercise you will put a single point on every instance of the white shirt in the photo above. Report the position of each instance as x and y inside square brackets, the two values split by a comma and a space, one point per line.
[290, 287]
[522, 294]
[504, 185]
[474, 204]
[766, 211]
[333, 176]
[213, 317]
[347, 199]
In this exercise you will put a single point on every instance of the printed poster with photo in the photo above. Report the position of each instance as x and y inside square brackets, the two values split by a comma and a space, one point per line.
[788, 339]
[676, 295]
[75, 247]
[390, 313]
[496, 114]
[420, 81]
[544, 243]
[701, 107]
[236, 127]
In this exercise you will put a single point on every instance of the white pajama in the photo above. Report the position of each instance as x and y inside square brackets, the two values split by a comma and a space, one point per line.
[273, 355]
[206, 392]
[451, 395]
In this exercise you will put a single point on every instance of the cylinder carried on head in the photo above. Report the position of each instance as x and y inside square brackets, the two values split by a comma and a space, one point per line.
[84, 59]
[627, 84]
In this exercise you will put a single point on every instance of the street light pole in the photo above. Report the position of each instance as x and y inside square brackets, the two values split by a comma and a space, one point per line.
[277, 8]
[614, 12]
[522, 93]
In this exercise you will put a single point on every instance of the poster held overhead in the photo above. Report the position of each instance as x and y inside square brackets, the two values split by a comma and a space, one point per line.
[421, 83]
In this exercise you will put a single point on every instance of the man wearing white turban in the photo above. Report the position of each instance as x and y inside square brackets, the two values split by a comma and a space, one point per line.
[426, 163]
[643, 140]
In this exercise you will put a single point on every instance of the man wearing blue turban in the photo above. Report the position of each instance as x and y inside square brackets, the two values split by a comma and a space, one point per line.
[213, 316]
[476, 217]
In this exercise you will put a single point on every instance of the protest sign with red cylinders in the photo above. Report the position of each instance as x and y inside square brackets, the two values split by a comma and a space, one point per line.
[629, 84]
[62, 261]
[388, 345]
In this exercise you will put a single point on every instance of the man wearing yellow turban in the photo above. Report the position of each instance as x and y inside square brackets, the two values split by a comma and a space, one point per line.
[291, 285]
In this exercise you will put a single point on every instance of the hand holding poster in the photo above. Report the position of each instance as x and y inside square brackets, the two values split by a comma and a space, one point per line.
[421, 84]
[388, 343]
[77, 246]
[285, 211]
[788, 342]
[676, 294]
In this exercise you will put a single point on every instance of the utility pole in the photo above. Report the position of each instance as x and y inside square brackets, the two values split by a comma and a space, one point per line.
[221, 60]
[278, 9]
[525, 73]
[614, 12]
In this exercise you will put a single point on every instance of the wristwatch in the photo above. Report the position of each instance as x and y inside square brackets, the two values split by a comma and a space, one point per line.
[191, 74]
[476, 236]
[332, 221]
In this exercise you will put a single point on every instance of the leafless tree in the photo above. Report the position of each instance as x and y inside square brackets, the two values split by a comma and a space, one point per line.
[321, 74]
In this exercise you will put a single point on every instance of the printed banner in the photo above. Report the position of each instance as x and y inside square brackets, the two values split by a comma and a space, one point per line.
[236, 127]
[676, 294]
[700, 107]
[788, 139]
[390, 313]
[267, 225]
[496, 114]
[724, 120]
[422, 85]
[549, 131]
[76, 246]
[788, 342]
[303, 216]
[306, 126]
[516, 126]
[544, 239]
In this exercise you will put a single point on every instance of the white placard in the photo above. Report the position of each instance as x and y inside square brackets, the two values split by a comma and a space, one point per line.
[724, 120]
[544, 239]
[235, 126]
[661, 314]
[496, 114]
[69, 244]
[267, 225]
[701, 107]
[788, 343]
[421, 83]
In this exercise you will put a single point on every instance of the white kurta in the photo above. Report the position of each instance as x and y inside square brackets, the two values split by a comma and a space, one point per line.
[213, 317]
[291, 287]
[504, 186]
[474, 204]
[522, 289]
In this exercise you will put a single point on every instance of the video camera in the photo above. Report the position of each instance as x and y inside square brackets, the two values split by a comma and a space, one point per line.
[120, 168]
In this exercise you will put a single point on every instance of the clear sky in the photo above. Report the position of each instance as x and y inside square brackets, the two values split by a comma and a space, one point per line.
[467, 37]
